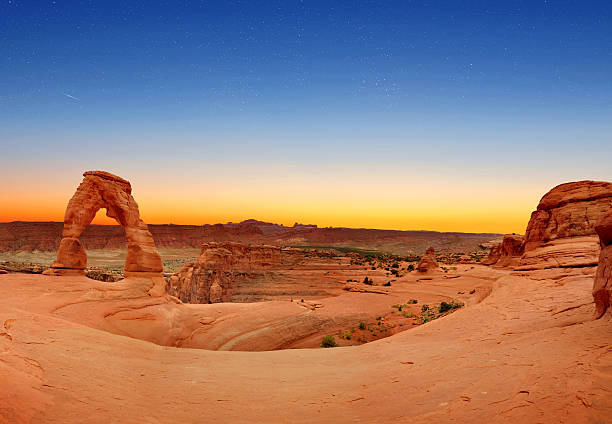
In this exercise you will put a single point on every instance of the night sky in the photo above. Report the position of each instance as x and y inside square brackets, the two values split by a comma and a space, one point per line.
[444, 115]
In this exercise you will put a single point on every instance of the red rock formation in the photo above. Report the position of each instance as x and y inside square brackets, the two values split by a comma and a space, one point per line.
[98, 190]
[507, 253]
[602, 287]
[494, 255]
[428, 261]
[561, 231]
[218, 269]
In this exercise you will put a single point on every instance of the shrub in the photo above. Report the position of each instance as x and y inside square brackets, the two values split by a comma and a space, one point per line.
[328, 341]
[395, 265]
[362, 325]
[368, 281]
[411, 267]
[387, 284]
[424, 308]
[444, 307]
[412, 302]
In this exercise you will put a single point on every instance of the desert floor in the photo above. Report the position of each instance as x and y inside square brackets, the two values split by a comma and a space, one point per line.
[78, 350]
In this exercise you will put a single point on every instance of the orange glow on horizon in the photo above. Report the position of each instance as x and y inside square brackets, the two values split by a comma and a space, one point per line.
[383, 203]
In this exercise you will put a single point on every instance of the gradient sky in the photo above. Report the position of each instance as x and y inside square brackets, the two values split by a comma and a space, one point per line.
[439, 115]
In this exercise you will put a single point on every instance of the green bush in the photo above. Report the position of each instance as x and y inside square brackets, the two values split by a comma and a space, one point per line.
[328, 341]
[362, 325]
[411, 267]
[368, 281]
[412, 302]
[444, 307]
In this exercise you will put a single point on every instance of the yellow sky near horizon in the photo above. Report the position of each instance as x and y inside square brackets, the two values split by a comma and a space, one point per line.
[483, 207]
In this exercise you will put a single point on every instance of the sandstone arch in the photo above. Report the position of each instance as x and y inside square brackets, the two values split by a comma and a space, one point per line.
[99, 190]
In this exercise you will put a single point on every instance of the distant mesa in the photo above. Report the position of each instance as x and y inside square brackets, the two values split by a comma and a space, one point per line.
[428, 261]
[100, 189]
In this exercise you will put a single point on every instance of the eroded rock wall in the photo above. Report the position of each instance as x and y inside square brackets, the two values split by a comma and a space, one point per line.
[215, 275]
[602, 287]
[561, 231]
[507, 253]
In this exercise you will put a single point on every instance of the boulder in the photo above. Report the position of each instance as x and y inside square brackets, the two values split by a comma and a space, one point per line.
[428, 261]
[602, 287]
[98, 190]
[561, 231]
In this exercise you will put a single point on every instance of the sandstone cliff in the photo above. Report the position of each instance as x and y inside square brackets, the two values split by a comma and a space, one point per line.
[216, 273]
[602, 288]
[507, 253]
[561, 231]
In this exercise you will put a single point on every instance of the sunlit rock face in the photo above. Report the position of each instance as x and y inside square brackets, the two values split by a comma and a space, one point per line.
[561, 231]
[214, 276]
[428, 261]
[507, 253]
[602, 288]
[99, 190]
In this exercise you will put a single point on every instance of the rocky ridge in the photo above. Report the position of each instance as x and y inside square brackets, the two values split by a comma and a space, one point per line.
[561, 231]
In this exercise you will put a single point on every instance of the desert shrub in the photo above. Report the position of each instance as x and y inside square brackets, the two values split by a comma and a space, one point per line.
[373, 268]
[444, 306]
[362, 325]
[368, 281]
[424, 308]
[411, 267]
[387, 284]
[328, 341]
[412, 302]
[395, 265]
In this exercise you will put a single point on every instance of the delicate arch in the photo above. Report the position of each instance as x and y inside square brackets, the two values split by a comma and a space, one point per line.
[99, 190]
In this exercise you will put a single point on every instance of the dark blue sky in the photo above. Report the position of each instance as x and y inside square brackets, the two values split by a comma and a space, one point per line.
[465, 87]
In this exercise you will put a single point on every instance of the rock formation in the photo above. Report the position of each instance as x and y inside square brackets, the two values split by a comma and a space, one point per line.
[602, 288]
[561, 231]
[428, 261]
[494, 255]
[507, 253]
[215, 274]
[98, 190]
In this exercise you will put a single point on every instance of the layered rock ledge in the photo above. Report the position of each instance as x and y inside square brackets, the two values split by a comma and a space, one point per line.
[561, 231]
